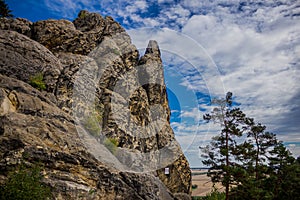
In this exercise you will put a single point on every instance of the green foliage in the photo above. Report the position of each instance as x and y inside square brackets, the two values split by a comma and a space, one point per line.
[194, 186]
[25, 184]
[221, 153]
[197, 198]
[92, 123]
[82, 15]
[4, 10]
[111, 144]
[116, 51]
[284, 178]
[215, 196]
[37, 81]
[250, 162]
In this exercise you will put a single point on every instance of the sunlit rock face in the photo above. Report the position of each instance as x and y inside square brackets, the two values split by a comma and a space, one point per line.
[102, 122]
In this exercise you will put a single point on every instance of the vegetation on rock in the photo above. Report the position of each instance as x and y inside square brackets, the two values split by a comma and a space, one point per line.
[92, 123]
[111, 144]
[37, 81]
[25, 184]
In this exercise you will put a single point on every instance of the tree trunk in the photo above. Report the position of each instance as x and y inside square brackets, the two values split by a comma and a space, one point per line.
[227, 165]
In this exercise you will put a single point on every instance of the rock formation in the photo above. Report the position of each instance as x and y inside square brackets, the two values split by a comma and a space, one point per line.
[92, 73]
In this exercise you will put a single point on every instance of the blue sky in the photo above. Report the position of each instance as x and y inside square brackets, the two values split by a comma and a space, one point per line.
[251, 48]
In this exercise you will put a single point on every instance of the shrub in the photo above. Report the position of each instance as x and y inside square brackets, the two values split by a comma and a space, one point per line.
[194, 186]
[197, 198]
[25, 184]
[92, 124]
[37, 81]
[215, 195]
[82, 14]
[111, 144]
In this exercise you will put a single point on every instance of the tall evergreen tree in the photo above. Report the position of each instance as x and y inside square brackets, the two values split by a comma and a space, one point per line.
[249, 161]
[221, 152]
[4, 10]
[284, 178]
[257, 149]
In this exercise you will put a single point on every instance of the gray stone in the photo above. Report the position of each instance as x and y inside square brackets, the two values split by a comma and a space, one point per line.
[125, 92]
[23, 58]
[19, 25]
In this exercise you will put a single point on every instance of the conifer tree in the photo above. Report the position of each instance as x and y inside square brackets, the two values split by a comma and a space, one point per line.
[249, 161]
[4, 10]
[221, 153]
[255, 158]
[284, 178]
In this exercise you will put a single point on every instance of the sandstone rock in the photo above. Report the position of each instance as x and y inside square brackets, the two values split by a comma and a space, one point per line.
[90, 67]
[86, 22]
[79, 37]
[38, 131]
[22, 58]
[64, 87]
[19, 25]
[61, 36]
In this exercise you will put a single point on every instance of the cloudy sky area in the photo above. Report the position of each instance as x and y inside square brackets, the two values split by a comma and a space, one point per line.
[250, 48]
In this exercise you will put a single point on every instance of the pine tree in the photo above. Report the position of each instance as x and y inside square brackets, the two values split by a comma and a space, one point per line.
[255, 158]
[221, 153]
[4, 10]
[249, 161]
[284, 178]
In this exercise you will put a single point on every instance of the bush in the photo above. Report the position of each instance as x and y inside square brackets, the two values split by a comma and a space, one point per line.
[215, 195]
[92, 124]
[37, 81]
[111, 144]
[25, 184]
[194, 186]
[197, 198]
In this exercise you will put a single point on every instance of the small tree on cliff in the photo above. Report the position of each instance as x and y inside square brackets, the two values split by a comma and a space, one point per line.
[4, 10]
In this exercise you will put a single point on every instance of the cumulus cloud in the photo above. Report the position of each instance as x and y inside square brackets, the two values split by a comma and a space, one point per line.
[251, 48]
[256, 66]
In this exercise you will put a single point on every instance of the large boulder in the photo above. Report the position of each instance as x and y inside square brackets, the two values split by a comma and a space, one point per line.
[19, 25]
[23, 58]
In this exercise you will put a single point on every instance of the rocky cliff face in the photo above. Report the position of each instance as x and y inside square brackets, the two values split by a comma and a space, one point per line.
[97, 88]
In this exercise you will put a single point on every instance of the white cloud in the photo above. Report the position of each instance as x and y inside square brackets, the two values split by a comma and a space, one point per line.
[257, 54]
[164, 1]
[255, 45]
[195, 114]
[257, 66]
[177, 13]
[69, 8]
[136, 6]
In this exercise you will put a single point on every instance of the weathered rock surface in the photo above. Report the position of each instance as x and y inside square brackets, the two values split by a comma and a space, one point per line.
[92, 60]
[35, 130]
[19, 25]
[79, 37]
[22, 58]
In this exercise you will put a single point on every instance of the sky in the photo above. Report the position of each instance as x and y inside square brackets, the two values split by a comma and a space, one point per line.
[248, 47]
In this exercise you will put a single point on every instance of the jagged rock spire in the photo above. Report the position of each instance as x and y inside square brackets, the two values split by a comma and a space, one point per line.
[153, 48]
